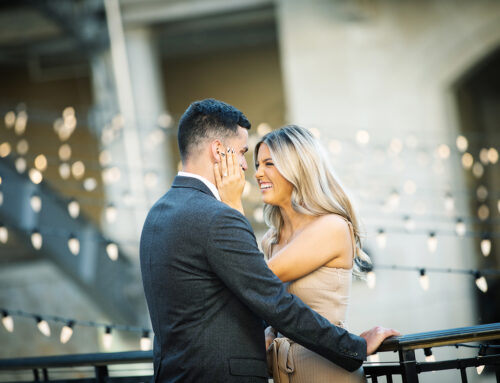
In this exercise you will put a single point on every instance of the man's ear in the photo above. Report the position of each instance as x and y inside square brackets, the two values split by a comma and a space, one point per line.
[215, 149]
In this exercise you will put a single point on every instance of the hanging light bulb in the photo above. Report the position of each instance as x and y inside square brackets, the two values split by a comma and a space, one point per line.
[460, 227]
[145, 341]
[107, 338]
[67, 332]
[381, 239]
[393, 200]
[432, 242]
[449, 202]
[111, 213]
[409, 223]
[112, 251]
[7, 321]
[481, 282]
[424, 280]
[371, 279]
[36, 239]
[35, 176]
[4, 234]
[64, 171]
[486, 246]
[20, 164]
[74, 208]
[43, 326]
[429, 357]
[482, 352]
[36, 203]
[73, 245]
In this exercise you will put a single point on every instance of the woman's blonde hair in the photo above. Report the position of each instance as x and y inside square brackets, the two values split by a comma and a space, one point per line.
[300, 158]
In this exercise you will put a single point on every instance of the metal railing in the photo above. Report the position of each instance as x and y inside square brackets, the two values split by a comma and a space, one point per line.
[98, 365]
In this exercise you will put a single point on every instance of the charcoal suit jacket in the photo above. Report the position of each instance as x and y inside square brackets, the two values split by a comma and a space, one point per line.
[209, 289]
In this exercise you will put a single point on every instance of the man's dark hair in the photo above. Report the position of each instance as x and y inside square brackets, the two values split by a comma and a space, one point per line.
[205, 119]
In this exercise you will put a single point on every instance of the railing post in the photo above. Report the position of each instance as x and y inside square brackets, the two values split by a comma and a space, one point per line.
[36, 376]
[463, 375]
[101, 373]
[408, 366]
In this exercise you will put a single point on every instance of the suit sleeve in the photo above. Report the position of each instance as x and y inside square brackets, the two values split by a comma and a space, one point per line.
[234, 256]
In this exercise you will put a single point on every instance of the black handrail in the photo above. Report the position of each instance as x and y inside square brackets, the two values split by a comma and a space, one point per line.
[442, 338]
[406, 345]
[77, 360]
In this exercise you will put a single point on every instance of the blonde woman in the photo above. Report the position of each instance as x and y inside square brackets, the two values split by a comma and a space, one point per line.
[313, 244]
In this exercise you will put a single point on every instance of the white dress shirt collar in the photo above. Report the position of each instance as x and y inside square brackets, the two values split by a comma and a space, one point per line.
[210, 185]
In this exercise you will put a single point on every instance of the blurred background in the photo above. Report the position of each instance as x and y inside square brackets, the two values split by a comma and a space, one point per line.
[404, 95]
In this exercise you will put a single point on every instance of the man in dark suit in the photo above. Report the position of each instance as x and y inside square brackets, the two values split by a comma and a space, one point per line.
[207, 285]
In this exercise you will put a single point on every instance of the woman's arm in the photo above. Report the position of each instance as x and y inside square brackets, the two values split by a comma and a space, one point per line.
[325, 239]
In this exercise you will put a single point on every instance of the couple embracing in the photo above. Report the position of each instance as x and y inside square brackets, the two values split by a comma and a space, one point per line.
[217, 304]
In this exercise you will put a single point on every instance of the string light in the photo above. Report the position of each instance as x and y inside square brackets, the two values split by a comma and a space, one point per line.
[41, 162]
[73, 245]
[467, 161]
[493, 155]
[78, 169]
[4, 234]
[424, 280]
[43, 326]
[10, 119]
[64, 171]
[462, 143]
[36, 239]
[67, 332]
[21, 122]
[362, 137]
[111, 213]
[482, 352]
[486, 246]
[35, 176]
[449, 202]
[460, 227]
[1, 194]
[107, 338]
[432, 242]
[5, 149]
[36, 203]
[22, 147]
[409, 223]
[89, 184]
[145, 343]
[68, 329]
[429, 357]
[74, 209]
[371, 279]
[381, 239]
[263, 128]
[7, 321]
[112, 251]
[20, 165]
[64, 152]
[481, 282]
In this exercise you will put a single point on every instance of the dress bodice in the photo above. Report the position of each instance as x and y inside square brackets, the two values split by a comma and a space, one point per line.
[326, 291]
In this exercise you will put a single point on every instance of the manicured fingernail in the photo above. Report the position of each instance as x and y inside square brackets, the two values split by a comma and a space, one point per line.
[223, 154]
[228, 150]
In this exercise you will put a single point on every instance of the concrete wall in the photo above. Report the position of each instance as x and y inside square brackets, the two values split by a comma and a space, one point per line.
[388, 68]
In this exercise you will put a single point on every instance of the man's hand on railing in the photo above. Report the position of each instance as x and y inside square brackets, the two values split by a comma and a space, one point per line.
[375, 336]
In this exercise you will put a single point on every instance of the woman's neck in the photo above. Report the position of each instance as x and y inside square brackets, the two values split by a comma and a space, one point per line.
[293, 221]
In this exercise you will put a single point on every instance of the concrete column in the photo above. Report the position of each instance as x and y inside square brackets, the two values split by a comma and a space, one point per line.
[133, 126]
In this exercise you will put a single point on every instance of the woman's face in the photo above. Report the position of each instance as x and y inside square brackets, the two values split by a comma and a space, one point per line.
[275, 189]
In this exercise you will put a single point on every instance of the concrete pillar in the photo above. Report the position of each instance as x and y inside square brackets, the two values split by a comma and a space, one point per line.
[133, 127]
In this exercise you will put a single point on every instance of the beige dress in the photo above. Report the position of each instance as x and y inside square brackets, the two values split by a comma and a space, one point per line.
[327, 291]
